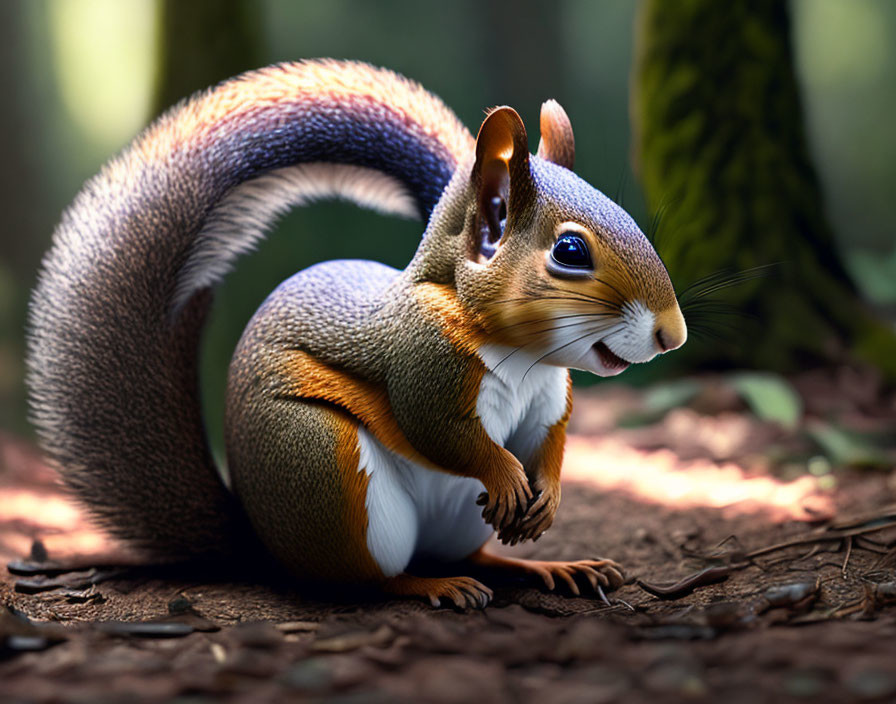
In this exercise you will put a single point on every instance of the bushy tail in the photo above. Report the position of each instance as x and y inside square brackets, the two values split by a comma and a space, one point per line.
[123, 292]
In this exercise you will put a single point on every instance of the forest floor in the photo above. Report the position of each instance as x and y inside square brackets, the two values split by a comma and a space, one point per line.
[783, 557]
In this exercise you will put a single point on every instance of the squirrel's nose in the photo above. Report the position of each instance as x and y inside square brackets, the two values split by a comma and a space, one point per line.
[670, 330]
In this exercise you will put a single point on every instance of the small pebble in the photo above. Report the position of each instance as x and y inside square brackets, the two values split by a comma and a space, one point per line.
[27, 643]
[39, 551]
[180, 605]
[218, 653]
[258, 634]
[312, 674]
[297, 626]
[145, 629]
[789, 594]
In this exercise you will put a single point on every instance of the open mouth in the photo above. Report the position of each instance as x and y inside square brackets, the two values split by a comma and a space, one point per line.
[608, 359]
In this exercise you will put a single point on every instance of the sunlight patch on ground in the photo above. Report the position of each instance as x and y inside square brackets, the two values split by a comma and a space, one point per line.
[660, 477]
[655, 476]
[62, 527]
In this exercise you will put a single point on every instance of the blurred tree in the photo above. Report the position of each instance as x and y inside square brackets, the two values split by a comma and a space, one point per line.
[25, 214]
[19, 181]
[203, 42]
[721, 150]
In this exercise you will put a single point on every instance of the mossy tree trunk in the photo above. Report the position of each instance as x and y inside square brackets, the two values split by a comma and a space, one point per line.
[721, 150]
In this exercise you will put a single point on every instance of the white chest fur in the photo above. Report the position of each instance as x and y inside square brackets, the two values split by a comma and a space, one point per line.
[414, 511]
[519, 399]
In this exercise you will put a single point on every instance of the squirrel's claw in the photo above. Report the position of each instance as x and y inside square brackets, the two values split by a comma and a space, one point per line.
[581, 577]
[505, 502]
[599, 575]
[538, 517]
[461, 592]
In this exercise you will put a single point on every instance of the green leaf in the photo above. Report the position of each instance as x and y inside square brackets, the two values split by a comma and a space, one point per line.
[662, 398]
[770, 397]
[843, 447]
[659, 400]
[876, 273]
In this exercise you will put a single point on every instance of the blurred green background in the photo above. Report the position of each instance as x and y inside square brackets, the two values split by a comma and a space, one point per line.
[81, 77]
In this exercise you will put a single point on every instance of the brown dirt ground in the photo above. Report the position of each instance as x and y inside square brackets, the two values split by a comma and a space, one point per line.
[808, 622]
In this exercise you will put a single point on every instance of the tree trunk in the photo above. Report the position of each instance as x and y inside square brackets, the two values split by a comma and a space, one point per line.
[203, 42]
[721, 150]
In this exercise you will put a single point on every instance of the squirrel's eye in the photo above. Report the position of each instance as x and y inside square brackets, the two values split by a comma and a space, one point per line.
[571, 250]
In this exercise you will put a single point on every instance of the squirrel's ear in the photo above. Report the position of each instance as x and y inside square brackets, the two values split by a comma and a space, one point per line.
[501, 176]
[557, 142]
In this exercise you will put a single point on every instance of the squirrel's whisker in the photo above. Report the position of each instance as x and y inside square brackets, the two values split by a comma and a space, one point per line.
[562, 347]
[537, 321]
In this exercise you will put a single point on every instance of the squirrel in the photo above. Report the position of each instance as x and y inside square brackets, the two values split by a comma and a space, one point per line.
[373, 416]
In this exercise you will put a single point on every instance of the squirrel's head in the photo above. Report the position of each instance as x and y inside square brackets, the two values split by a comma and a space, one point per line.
[550, 264]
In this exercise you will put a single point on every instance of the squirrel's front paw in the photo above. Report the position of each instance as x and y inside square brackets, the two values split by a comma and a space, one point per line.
[506, 497]
[538, 517]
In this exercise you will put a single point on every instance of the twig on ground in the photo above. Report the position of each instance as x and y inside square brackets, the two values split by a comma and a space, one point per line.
[846, 558]
[709, 575]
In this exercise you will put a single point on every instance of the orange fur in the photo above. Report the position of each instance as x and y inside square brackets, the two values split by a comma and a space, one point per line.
[522, 312]
[549, 458]
[599, 574]
[236, 101]
[557, 141]
[516, 316]
[460, 325]
[354, 486]
[312, 379]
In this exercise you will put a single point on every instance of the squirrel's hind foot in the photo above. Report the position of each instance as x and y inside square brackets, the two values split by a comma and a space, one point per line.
[598, 575]
[463, 592]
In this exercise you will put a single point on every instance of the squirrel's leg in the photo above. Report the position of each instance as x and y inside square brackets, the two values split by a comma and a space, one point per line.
[328, 504]
[540, 447]
[543, 462]
[597, 574]
[296, 469]
[440, 422]
[543, 471]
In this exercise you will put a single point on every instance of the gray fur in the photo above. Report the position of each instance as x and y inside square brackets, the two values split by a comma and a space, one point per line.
[242, 218]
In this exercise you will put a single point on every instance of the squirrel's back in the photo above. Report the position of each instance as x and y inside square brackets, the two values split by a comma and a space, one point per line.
[116, 316]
